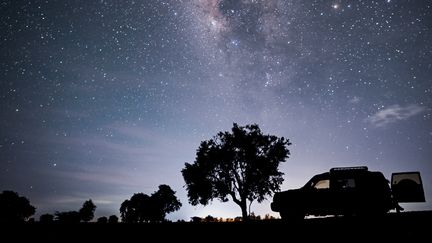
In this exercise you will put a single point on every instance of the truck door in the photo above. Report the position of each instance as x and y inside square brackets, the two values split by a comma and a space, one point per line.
[407, 187]
[318, 198]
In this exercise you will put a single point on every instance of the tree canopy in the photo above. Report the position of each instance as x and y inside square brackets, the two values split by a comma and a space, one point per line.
[87, 211]
[165, 202]
[136, 209]
[143, 208]
[14, 208]
[113, 219]
[241, 165]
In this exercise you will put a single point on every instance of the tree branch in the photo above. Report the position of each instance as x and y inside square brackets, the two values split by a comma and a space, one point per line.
[235, 198]
[239, 182]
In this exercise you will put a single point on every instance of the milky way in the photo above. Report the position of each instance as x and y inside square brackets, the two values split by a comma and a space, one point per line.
[103, 99]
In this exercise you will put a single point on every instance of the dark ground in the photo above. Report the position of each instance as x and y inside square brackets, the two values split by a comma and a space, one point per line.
[405, 227]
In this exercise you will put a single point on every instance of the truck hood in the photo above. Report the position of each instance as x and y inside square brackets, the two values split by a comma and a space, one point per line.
[284, 198]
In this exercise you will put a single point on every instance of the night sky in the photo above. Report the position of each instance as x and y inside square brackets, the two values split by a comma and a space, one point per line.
[103, 99]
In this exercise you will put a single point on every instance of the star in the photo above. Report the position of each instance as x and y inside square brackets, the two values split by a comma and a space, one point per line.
[112, 99]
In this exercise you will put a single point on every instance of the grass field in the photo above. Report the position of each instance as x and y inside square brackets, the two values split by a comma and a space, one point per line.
[406, 227]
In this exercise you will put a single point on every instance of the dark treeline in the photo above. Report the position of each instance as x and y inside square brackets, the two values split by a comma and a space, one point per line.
[241, 165]
[140, 208]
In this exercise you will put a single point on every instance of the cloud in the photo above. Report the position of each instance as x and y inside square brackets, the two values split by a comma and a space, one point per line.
[394, 114]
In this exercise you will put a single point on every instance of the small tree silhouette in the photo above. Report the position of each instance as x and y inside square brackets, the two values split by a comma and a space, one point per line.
[102, 220]
[136, 209]
[87, 211]
[164, 202]
[241, 164]
[143, 208]
[196, 219]
[113, 219]
[210, 219]
[14, 208]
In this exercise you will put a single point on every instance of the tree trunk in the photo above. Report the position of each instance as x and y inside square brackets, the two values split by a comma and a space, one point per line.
[243, 206]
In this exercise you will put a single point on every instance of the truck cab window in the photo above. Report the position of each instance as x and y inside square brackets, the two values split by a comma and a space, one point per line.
[344, 184]
[322, 184]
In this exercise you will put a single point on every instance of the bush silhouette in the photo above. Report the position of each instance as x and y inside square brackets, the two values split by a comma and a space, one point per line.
[196, 219]
[70, 217]
[241, 165]
[46, 218]
[102, 220]
[113, 219]
[14, 208]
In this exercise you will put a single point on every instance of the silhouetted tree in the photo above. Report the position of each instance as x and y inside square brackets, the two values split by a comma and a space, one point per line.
[87, 211]
[241, 164]
[210, 219]
[196, 219]
[46, 218]
[164, 202]
[143, 208]
[14, 208]
[113, 219]
[71, 217]
[136, 210]
[127, 213]
[102, 220]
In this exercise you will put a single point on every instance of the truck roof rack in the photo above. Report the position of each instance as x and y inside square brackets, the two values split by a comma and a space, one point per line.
[353, 168]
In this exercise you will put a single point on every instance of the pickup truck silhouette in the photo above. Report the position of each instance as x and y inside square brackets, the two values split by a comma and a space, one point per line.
[349, 191]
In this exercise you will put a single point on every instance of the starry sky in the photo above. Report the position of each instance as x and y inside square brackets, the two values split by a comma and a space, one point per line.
[103, 99]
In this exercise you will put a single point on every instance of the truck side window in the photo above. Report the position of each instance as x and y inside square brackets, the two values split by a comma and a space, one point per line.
[344, 184]
[322, 184]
